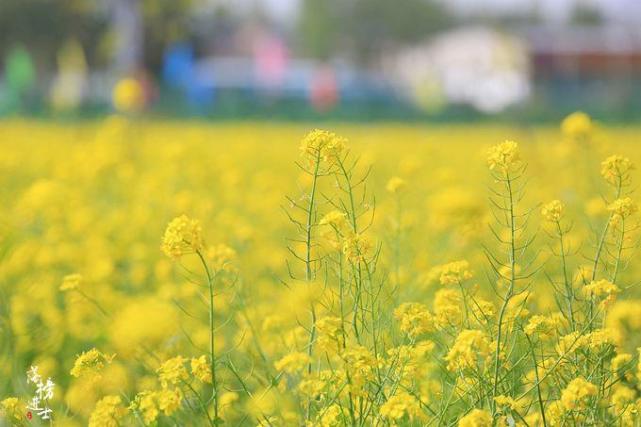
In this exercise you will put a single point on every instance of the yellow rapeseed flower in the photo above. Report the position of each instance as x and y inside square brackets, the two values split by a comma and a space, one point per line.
[220, 257]
[293, 363]
[12, 409]
[615, 168]
[395, 185]
[400, 405]
[90, 363]
[108, 412]
[552, 211]
[476, 418]
[545, 327]
[331, 416]
[201, 369]
[455, 272]
[71, 282]
[356, 247]
[622, 208]
[577, 393]
[504, 157]
[146, 404]
[415, 319]
[470, 348]
[172, 371]
[323, 145]
[577, 126]
[182, 236]
[602, 290]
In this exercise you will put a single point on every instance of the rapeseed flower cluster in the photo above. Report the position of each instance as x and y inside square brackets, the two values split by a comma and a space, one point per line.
[182, 236]
[358, 281]
[504, 157]
[552, 211]
[90, 363]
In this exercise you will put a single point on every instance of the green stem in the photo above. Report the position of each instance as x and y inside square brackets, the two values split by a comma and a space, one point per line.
[568, 285]
[538, 386]
[508, 295]
[619, 252]
[212, 354]
[308, 268]
[358, 302]
[202, 405]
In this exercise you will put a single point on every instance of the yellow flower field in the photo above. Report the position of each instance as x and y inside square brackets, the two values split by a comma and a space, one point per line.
[239, 274]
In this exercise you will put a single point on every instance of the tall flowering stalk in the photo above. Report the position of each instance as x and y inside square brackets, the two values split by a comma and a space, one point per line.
[395, 187]
[552, 214]
[183, 236]
[361, 259]
[616, 172]
[320, 151]
[339, 252]
[507, 168]
[356, 246]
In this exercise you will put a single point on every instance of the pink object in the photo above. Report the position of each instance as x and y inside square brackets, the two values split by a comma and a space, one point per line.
[270, 59]
[323, 93]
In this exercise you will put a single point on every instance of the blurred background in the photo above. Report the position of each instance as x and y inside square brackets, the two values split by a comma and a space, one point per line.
[436, 60]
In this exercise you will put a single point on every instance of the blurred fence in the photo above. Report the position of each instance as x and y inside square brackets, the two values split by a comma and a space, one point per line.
[607, 101]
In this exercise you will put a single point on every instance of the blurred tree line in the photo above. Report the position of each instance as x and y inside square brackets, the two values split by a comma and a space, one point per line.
[43, 26]
[325, 28]
[361, 28]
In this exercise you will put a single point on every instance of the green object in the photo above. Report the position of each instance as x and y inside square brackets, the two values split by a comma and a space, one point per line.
[19, 70]
[19, 76]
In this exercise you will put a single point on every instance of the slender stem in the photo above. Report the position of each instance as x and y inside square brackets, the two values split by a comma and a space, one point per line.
[358, 301]
[94, 302]
[308, 267]
[212, 354]
[351, 196]
[568, 285]
[465, 304]
[619, 252]
[397, 246]
[558, 361]
[600, 245]
[538, 384]
[203, 407]
[344, 341]
[604, 235]
[508, 295]
[597, 256]
[310, 219]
